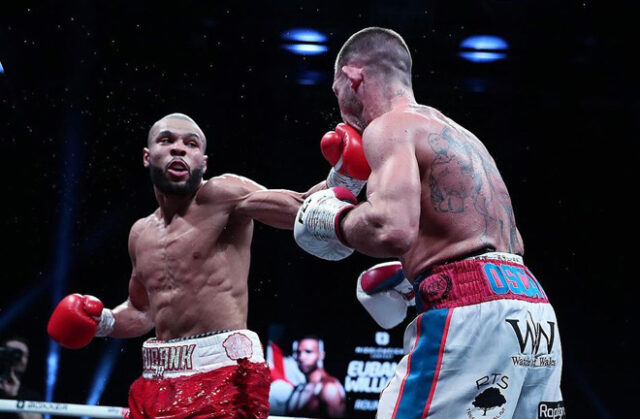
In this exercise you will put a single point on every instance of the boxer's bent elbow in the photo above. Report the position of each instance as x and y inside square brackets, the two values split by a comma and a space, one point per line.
[395, 241]
[131, 328]
[379, 231]
[392, 235]
[131, 321]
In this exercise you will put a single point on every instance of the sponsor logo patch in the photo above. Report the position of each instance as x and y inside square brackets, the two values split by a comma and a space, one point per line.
[168, 358]
[435, 288]
[238, 346]
[490, 400]
[551, 410]
[535, 341]
[516, 280]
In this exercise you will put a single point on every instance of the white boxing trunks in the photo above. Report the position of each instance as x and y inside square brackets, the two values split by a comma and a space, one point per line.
[485, 344]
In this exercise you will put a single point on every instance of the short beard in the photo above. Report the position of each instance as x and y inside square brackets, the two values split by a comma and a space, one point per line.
[311, 369]
[166, 186]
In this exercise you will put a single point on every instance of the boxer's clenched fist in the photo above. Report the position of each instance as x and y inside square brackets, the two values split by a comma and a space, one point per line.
[77, 319]
[317, 225]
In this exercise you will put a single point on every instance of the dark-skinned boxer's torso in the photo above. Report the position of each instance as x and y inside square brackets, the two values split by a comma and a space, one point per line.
[193, 269]
[464, 203]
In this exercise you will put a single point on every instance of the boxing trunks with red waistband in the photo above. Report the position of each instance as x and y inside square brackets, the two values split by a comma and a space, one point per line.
[485, 344]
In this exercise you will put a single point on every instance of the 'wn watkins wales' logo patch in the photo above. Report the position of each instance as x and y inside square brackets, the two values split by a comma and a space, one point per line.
[535, 341]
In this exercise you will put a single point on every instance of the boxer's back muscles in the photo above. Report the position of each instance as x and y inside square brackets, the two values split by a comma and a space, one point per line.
[464, 203]
[190, 272]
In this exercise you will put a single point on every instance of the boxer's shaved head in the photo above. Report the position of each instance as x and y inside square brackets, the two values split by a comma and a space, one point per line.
[380, 51]
[180, 116]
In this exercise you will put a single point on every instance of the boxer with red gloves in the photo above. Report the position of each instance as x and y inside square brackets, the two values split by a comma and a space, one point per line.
[435, 201]
[77, 319]
[190, 262]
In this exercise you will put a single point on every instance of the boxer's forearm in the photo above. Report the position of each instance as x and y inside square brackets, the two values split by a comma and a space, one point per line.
[315, 188]
[274, 207]
[130, 322]
[377, 233]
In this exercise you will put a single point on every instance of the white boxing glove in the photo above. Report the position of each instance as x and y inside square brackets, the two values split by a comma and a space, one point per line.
[317, 225]
[385, 293]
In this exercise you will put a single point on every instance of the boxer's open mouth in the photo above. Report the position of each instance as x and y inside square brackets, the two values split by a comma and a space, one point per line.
[177, 168]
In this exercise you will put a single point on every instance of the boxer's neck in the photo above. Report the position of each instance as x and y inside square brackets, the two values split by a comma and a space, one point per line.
[381, 101]
[316, 375]
[170, 205]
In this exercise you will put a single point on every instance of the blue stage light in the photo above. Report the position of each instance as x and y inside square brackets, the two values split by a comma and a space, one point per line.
[304, 41]
[20, 304]
[482, 57]
[24, 302]
[62, 251]
[306, 49]
[483, 48]
[311, 77]
[53, 360]
[103, 372]
[304, 35]
[1, 68]
[485, 43]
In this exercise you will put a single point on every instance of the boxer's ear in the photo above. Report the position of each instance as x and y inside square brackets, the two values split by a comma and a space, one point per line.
[205, 163]
[145, 157]
[354, 74]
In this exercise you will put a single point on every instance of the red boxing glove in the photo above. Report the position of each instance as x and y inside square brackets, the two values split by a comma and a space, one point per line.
[343, 150]
[76, 319]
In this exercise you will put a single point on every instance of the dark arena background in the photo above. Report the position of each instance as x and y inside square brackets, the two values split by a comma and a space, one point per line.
[552, 92]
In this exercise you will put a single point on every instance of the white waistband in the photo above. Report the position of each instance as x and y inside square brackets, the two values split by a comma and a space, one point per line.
[505, 257]
[177, 358]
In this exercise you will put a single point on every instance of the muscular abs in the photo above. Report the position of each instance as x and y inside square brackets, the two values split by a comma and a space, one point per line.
[194, 270]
